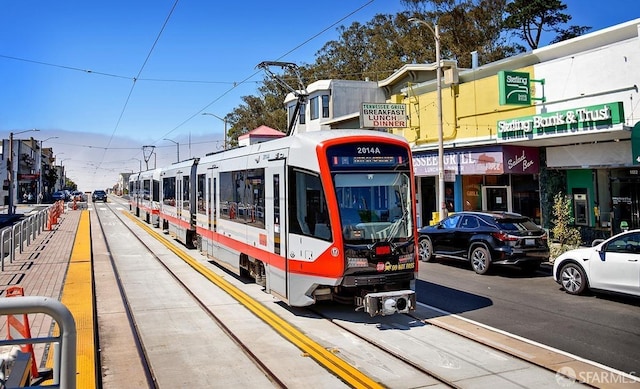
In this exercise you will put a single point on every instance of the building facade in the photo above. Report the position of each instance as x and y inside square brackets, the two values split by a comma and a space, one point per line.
[572, 135]
[31, 168]
[575, 131]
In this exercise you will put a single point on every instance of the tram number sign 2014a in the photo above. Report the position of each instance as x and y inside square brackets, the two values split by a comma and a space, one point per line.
[346, 156]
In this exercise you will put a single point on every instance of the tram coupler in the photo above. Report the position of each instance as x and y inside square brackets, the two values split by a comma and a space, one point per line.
[388, 303]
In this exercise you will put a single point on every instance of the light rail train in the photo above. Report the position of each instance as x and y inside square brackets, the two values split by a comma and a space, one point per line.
[326, 215]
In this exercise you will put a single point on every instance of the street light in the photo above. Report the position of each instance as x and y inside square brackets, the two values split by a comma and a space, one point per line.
[10, 210]
[436, 34]
[64, 178]
[224, 120]
[177, 148]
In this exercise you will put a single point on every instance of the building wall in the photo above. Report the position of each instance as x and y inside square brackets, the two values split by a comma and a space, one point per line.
[596, 69]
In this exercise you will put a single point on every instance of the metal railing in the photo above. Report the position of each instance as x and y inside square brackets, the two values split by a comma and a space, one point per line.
[21, 234]
[64, 364]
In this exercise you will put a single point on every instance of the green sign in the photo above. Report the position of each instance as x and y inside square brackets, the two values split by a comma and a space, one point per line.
[573, 121]
[514, 88]
[635, 144]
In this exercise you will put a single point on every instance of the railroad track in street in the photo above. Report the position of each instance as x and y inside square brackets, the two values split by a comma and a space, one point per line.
[176, 298]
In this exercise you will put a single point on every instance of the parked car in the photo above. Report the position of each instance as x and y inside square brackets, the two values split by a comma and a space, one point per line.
[611, 265]
[59, 195]
[485, 239]
[99, 195]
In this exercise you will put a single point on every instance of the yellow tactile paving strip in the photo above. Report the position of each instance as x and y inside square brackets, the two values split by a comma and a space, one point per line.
[77, 297]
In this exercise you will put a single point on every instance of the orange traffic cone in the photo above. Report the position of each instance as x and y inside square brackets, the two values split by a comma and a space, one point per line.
[17, 329]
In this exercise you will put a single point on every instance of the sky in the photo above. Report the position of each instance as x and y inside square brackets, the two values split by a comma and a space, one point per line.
[100, 80]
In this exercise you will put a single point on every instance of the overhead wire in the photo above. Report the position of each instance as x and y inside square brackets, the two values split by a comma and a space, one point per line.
[133, 85]
[138, 77]
[256, 72]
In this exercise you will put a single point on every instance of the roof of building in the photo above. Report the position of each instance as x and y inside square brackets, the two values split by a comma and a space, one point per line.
[263, 131]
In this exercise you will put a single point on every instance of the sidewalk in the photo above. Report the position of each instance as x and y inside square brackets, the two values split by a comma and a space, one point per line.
[41, 269]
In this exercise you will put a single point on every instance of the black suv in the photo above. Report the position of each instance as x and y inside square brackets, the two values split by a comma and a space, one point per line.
[99, 195]
[485, 239]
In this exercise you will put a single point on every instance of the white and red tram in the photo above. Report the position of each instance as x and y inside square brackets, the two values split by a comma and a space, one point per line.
[326, 215]
[144, 195]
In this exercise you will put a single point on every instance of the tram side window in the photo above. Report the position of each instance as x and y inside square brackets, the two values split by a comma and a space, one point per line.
[146, 189]
[201, 189]
[186, 189]
[169, 191]
[254, 197]
[156, 191]
[308, 212]
[242, 196]
[227, 189]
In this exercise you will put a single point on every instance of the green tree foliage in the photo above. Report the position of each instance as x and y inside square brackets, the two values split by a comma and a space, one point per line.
[529, 19]
[372, 51]
[465, 26]
[50, 178]
[267, 109]
[565, 236]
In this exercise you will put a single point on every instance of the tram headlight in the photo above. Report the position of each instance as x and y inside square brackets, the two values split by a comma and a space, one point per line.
[388, 303]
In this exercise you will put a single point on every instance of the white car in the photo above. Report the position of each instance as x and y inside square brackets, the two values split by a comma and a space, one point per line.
[611, 265]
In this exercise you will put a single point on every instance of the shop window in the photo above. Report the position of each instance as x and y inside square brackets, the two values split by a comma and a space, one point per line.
[471, 196]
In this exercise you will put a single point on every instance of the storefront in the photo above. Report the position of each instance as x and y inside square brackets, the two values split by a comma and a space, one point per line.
[592, 148]
[27, 188]
[496, 178]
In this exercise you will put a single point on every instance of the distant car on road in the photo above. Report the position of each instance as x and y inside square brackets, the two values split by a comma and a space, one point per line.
[78, 195]
[59, 195]
[99, 195]
[485, 239]
[612, 265]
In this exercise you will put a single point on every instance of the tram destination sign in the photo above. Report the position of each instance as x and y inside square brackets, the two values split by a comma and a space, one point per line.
[383, 115]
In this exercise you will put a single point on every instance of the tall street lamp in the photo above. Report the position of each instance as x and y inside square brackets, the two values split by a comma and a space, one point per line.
[11, 209]
[225, 126]
[64, 178]
[177, 148]
[436, 33]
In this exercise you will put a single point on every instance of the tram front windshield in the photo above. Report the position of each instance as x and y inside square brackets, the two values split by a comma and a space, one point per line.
[374, 206]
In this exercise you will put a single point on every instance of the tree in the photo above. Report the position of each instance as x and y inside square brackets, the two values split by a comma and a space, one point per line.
[530, 18]
[567, 237]
[267, 109]
[50, 177]
[465, 26]
[371, 51]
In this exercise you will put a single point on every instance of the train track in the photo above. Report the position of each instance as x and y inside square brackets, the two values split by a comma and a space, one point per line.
[144, 355]
[347, 348]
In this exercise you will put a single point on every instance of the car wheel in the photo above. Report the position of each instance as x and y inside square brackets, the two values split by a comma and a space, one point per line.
[573, 279]
[425, 248]
[480, 259]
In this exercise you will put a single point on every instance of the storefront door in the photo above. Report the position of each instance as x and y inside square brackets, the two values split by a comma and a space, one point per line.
[626, 204]
[496, 198]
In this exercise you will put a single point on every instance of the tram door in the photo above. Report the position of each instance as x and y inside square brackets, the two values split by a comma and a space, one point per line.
[496, 198]
[275, 217]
